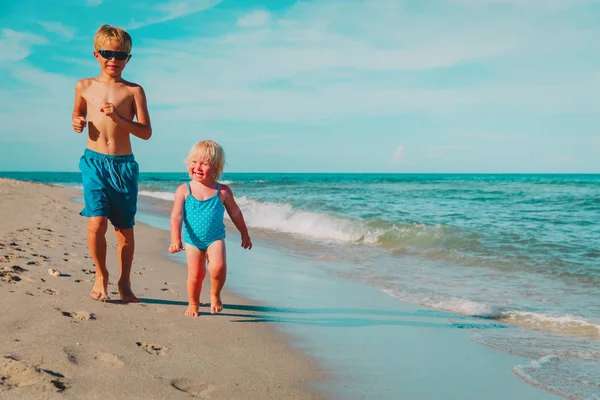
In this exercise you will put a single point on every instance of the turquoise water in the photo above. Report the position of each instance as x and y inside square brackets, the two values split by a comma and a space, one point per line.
[519, 249]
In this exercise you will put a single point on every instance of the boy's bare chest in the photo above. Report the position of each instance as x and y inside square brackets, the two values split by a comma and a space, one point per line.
[95, 98]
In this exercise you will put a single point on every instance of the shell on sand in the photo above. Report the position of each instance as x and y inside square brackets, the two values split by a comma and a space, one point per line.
[54, 272]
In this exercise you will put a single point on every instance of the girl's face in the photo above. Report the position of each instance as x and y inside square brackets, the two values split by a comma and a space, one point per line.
[200, 170]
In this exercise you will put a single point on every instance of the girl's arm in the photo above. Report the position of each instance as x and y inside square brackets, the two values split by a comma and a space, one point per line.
[176, 219]
[234, 212]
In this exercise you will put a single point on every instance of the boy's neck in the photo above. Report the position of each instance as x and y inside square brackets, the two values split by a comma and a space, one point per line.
[109, 79]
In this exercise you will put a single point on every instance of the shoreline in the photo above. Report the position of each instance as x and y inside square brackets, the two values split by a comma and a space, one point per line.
[59, 343]
[374, 344]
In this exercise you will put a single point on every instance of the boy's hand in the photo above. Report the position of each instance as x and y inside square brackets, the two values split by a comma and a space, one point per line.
[79, 124]
[174, 247]
[246, 242]
[110, 111]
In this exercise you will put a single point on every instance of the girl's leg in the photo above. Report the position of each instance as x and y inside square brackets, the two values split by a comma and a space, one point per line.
[217, 266]
[196, 261]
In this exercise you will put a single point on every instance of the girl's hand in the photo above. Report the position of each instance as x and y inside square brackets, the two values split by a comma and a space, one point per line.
[246, 242]
[174, 247]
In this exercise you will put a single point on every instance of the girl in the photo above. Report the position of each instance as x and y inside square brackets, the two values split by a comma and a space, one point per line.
[200, 205]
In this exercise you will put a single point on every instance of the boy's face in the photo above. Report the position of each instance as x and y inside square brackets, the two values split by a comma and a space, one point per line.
[200, 170]
[108, 57]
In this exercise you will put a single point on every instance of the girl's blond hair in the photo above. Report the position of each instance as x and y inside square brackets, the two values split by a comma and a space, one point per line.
[108, 32]
[211, 152]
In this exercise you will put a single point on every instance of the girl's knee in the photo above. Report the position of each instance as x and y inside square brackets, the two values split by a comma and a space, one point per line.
[217, 268]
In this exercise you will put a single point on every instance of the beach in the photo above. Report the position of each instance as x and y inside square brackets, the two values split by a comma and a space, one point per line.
[56, 342]
[303, 318]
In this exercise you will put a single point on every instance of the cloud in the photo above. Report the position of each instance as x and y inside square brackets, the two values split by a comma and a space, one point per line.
[93, 3]
[398, 155]
[15, 46]
[254, 19]
[548, 5]
[318, 60]
[66, 32]
[172, 10]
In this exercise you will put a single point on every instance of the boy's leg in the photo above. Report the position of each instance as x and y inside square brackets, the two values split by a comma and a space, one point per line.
[126, 241]
[217, 266]
[196, 261]
[97, 245]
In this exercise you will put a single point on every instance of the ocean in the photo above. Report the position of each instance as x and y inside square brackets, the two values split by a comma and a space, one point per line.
[522, 251]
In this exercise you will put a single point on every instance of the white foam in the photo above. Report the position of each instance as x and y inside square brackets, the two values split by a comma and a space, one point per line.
[564, 323]
[467, 307]
[452, 304]
[283, 217]
[158, 195]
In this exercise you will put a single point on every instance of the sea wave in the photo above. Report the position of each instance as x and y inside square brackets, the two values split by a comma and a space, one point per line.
[559, 323]
[433, 241]
[158, 195]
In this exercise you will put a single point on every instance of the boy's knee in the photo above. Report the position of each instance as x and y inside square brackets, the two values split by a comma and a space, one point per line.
[125, 236]
[97, 225]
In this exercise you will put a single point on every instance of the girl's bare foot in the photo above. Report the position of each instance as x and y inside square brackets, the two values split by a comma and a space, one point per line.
[100, 288]
[215, 304]
[192, 310]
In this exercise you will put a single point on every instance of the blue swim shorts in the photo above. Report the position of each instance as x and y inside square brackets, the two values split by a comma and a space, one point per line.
[110, 187]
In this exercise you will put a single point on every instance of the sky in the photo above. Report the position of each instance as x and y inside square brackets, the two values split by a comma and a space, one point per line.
[398, 86]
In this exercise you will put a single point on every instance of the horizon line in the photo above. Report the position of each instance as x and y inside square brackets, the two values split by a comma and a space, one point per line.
[338, 173]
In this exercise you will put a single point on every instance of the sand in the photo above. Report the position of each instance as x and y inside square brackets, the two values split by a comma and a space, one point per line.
[56, 342]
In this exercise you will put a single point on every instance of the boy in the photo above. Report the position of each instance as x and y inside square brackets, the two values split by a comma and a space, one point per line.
[109, 170]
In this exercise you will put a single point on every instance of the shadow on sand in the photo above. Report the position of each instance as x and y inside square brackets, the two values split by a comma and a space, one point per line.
[343, 318]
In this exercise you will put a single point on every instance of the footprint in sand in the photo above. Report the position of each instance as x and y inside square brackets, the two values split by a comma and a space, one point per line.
[6, 276]
[15, 373]
[79, 315]
[109, 358]
[152, 348]
[48, 291]
[71, 356]
[195, 389]
[11, 256]
[88, 271]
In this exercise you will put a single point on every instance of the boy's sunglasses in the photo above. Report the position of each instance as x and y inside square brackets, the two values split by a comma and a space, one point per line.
[118, 55]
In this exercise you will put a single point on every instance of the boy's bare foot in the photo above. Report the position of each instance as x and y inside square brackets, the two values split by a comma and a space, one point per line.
[100, 288]
[126, 294]
[192, 310]
[215, 304]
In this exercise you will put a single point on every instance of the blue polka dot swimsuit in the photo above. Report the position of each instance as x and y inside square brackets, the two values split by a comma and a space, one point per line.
[203, 220]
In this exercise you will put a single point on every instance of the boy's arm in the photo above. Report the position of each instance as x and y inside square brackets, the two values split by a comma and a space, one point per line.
[234, 212]
[142, 128]
[176, 219]
[79, 109]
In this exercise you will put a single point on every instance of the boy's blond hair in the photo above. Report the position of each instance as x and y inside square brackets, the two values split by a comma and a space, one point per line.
[211, 152]
[108, 32]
